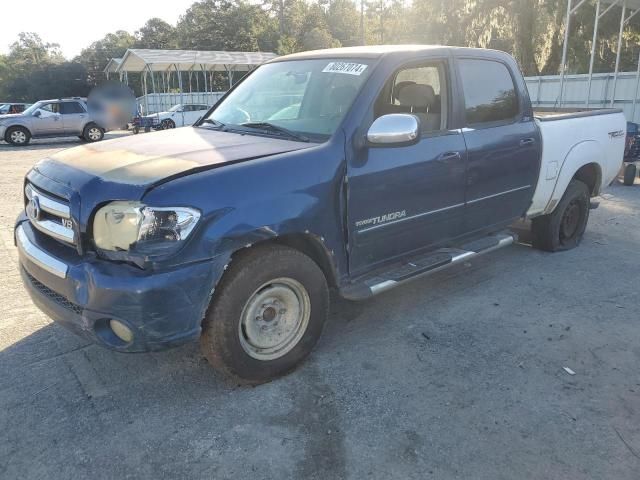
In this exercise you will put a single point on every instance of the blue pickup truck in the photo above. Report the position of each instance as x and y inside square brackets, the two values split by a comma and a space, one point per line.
[351, 169]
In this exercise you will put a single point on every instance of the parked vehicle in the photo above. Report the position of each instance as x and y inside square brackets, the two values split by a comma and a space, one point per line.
[12, 108]
[389, 163]
[178, 116]
[51, 118]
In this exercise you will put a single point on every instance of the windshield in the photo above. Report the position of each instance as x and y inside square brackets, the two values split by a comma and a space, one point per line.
[176, 108]
[307, 97]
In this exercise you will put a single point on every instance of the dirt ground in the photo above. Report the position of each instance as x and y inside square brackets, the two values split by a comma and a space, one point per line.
[459, 375]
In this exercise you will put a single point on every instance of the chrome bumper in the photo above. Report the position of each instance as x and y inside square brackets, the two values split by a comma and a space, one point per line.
[41, 258]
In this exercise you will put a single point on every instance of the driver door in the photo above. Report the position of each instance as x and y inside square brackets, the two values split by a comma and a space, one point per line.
[47, 120]
[407, 198]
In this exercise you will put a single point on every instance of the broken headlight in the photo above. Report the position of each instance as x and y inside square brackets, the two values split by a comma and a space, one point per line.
[140, 229]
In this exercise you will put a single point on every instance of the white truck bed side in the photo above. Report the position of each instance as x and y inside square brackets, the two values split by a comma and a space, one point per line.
[570, 141]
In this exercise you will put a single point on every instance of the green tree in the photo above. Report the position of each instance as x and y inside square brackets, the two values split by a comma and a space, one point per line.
[29, 50]
[225, 25]
[156, 33]
[318, 38]
[95, 56]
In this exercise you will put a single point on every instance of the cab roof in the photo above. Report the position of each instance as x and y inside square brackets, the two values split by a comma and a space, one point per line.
[371, 51]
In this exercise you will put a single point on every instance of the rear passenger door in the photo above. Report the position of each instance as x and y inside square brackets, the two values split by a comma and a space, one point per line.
[74, 117]
[502, 144]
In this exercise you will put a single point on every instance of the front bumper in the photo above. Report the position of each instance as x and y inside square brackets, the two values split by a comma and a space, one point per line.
[162, 309]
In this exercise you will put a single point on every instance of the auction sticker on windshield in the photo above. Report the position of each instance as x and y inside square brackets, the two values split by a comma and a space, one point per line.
[342, 67]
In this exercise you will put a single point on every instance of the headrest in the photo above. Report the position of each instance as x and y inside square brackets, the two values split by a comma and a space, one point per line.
[399, 86]
[417, 95]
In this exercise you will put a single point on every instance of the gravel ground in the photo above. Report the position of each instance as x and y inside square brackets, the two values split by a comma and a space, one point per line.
[459, 375]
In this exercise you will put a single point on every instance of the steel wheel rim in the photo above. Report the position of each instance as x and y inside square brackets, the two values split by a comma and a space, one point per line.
[570, 220]
[18, 136]
[94, 133]
[274, 319]
[168, 124]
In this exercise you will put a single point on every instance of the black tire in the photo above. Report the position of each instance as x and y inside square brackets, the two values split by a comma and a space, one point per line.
[564, 227]
[629, 174]
[167, 124]
[225, 340]
[17, 136]
[92, 133]
[136, 130]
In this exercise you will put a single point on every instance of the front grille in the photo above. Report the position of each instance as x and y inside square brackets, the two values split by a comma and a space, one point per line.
[55, 296]
[49, 214]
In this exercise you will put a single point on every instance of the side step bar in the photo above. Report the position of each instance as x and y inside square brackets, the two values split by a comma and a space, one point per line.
[423, 265]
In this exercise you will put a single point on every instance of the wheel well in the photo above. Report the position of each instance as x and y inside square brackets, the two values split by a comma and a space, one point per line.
[16, 127]
[308, 244]
[591, 175]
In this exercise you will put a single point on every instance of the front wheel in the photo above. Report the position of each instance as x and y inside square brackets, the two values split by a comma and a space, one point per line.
[18, 136]
[564, 227]
[93, 133]
[167, 124]
[266, 316]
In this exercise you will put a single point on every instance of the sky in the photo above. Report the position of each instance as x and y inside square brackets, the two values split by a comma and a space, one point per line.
[74, 24]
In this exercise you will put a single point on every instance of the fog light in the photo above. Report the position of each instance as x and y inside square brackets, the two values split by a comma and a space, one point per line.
[123, 332]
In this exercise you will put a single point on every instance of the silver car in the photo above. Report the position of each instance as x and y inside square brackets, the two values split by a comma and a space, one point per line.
[51, 118]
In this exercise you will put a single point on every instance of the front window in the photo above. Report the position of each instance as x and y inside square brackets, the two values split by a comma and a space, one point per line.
[176, 108]
[306, 97]
[33, 108]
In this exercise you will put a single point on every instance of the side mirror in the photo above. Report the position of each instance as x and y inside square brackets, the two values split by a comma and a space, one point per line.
[394, 130]
[37, 113]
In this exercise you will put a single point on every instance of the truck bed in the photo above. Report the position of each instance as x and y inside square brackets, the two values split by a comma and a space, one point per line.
[572, 139]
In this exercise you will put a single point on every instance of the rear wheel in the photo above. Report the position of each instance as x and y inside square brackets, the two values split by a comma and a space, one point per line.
[266, 316]
[629, 174]
[93, 133]
[18, 136]
[564, 227]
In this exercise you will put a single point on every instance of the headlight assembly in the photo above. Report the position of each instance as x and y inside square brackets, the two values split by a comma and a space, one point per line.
[140, 229]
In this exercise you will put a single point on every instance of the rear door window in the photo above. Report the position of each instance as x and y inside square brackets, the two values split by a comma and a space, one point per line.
[489, 92]
[71, 107]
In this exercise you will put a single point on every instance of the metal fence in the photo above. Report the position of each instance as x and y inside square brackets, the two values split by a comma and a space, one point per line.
[161, 102]
[545, 92]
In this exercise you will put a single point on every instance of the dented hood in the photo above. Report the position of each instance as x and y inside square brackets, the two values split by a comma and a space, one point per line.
[150, 158]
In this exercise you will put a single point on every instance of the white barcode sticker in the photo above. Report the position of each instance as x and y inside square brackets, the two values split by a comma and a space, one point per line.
[343, 67]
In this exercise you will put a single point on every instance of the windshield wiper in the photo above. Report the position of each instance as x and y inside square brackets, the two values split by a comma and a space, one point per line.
[215, 123]
[275, 128]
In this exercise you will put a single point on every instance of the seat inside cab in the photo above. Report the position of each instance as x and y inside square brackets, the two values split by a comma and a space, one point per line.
[419, 90]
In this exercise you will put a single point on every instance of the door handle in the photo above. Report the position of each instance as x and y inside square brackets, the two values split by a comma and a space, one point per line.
[525, 142]
[448, 156]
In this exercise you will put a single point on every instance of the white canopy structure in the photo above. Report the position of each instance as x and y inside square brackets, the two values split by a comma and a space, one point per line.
[112, 66]
[139, 60]
[629, 9]
[166, 71]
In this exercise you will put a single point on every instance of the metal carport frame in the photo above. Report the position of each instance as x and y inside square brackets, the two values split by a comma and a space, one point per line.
[165, 62]
[634, 6]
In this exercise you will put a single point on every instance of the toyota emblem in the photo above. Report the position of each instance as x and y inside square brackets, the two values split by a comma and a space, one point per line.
[33, 208]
